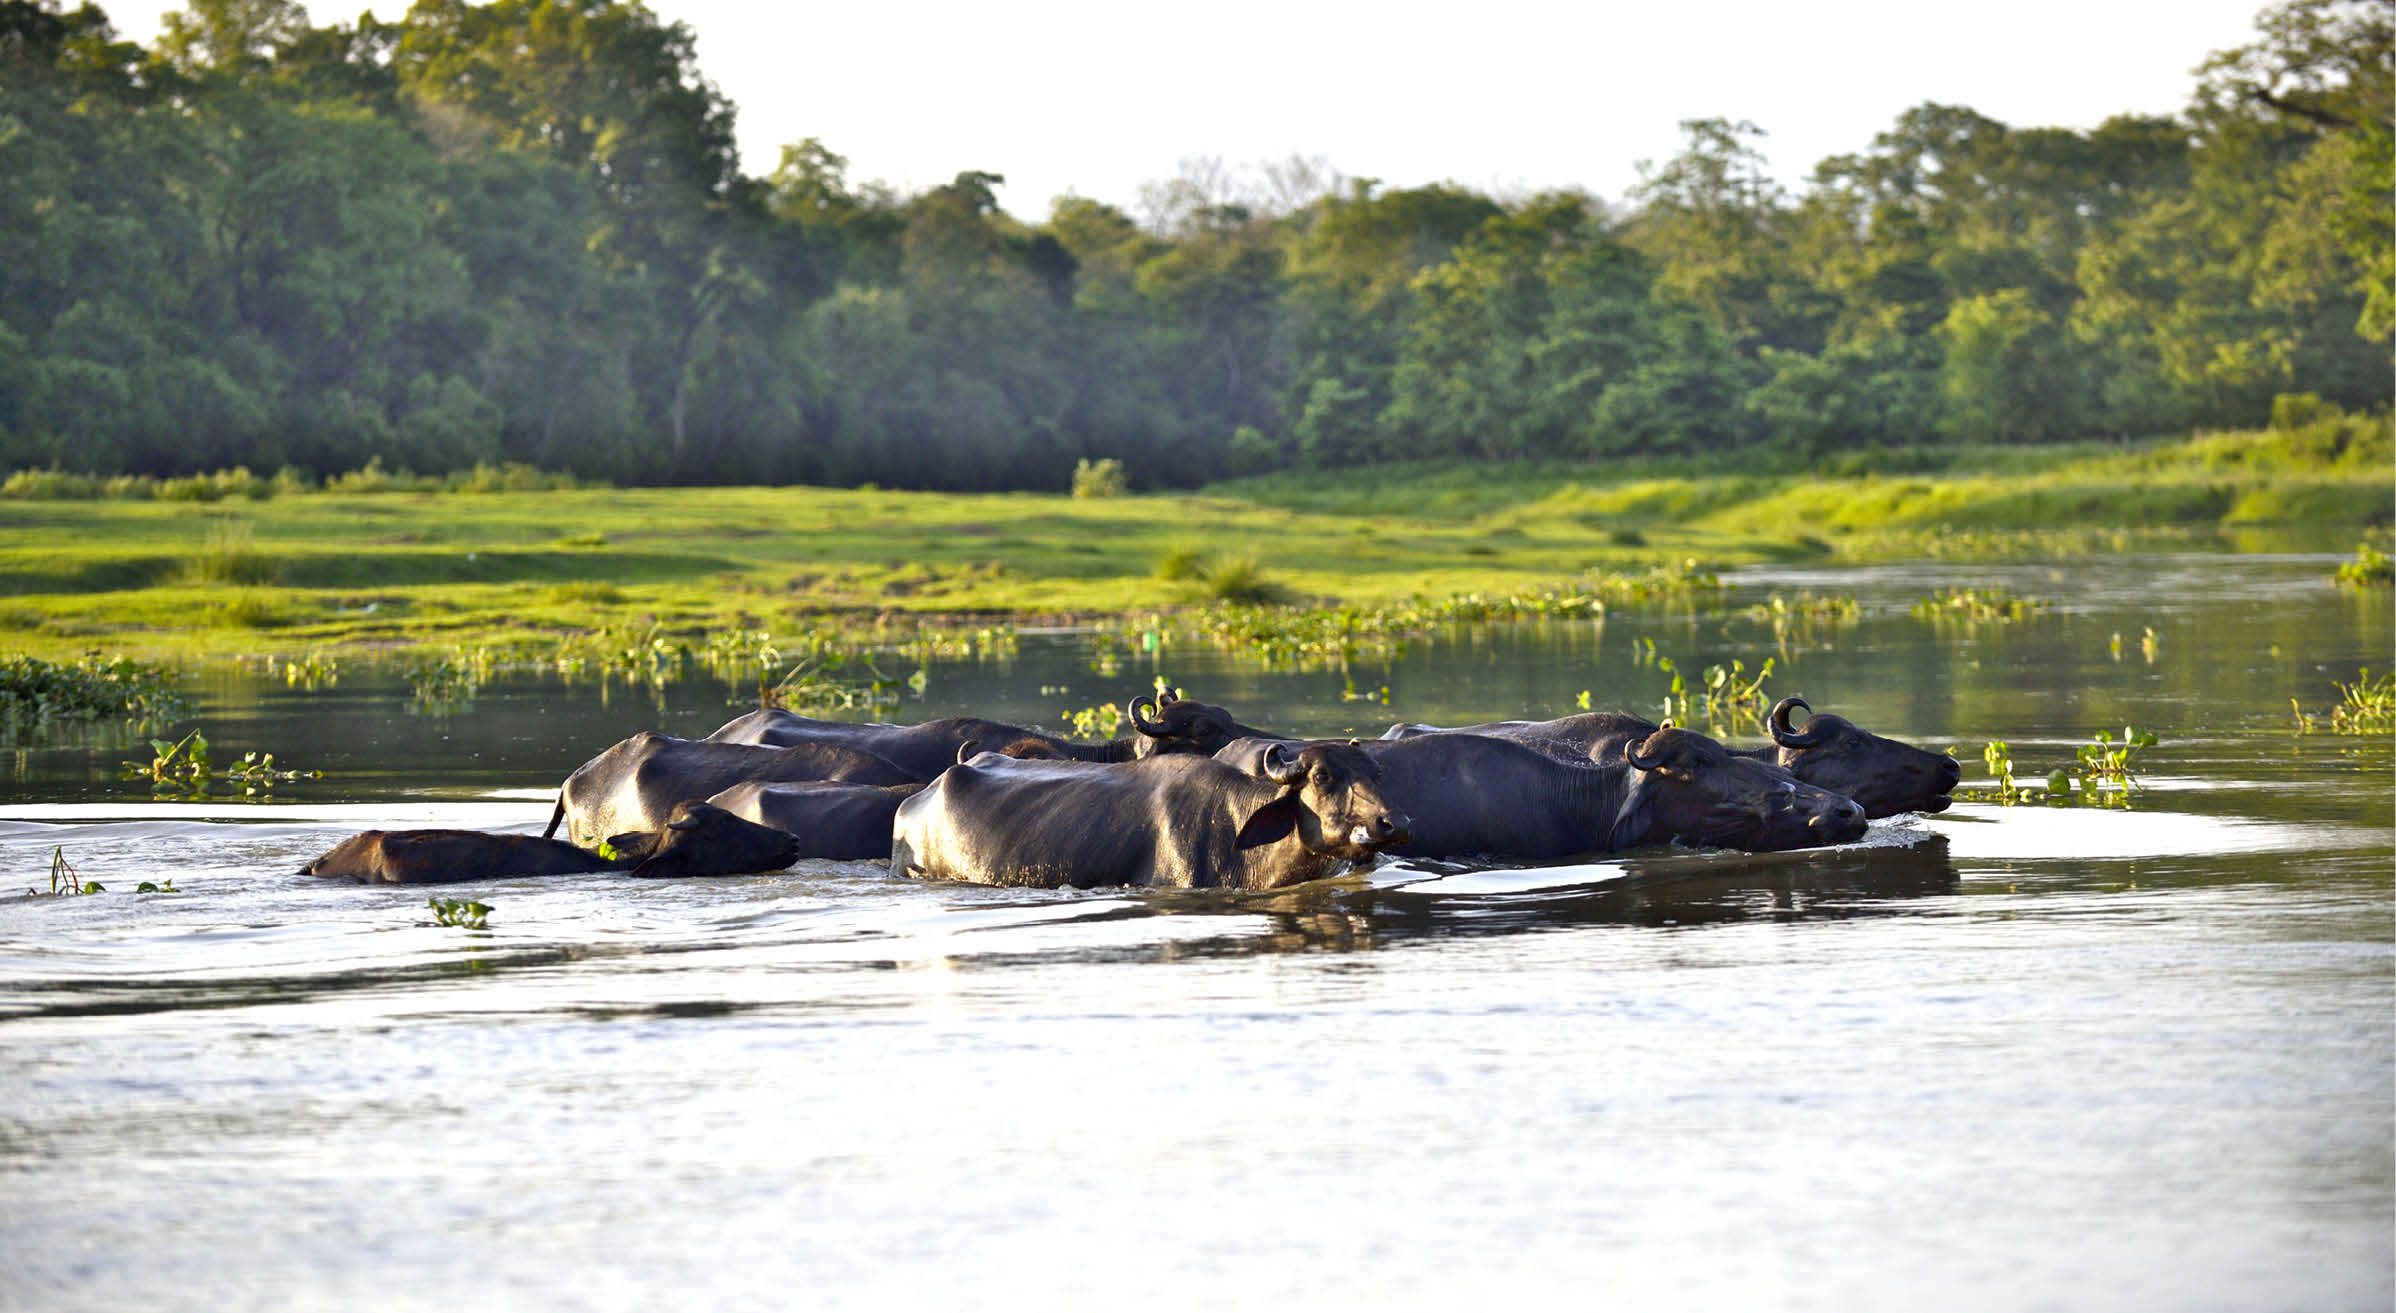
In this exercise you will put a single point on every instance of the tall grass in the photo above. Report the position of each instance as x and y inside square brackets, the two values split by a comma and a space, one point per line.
[1180, 563]
[1239, 579]
[230, 555]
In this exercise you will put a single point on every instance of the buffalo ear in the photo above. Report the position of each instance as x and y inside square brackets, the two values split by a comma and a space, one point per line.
[1632, 822]
[1270, 823]
[633, 846]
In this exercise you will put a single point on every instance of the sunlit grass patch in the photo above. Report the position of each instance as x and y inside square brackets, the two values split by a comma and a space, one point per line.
[584, 592]
[261, 608]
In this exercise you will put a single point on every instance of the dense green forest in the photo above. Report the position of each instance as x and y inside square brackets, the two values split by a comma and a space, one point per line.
[519, 231]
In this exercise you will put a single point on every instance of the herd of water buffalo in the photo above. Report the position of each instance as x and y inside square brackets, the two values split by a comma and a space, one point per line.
[1191, 798]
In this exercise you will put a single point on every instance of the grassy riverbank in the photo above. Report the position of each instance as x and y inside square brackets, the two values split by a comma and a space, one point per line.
[347, 572]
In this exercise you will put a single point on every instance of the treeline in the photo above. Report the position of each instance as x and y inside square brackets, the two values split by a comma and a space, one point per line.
[517, 231]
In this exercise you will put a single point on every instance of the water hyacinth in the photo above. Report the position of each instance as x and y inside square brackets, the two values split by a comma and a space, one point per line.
[38, 697]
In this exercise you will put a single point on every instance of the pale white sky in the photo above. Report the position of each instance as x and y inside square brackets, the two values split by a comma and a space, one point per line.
[1501, 95]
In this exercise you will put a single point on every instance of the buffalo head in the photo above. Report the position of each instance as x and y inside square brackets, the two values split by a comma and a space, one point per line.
[1170, 722]
[1687, 786]
[1886, 777]
[700, 839]
[1330, 796]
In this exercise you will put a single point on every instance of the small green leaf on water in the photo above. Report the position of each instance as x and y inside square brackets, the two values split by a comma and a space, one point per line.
[2059, 783]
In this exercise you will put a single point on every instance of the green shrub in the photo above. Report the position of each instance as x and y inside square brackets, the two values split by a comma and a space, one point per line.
[510, 476]
[1251, 452]
[1180, 563]
[49, 485]
[1240, 579]
[372, 477]
[235, 482]
[1100, 478]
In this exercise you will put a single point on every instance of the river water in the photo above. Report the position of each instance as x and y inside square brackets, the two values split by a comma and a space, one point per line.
[2000, 1058]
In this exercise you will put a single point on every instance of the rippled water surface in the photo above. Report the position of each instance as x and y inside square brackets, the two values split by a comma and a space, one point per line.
[1998, 1058]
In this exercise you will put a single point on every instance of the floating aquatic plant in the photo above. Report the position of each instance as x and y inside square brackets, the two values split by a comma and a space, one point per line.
[2369, 567]
[2101, 774]
[1098, 722]
[1975, 605]
[184, 769]
[1726, 699]
[820, 685]
[38, 697]
[460, 912]
[445, 684]
[312, 672]
[2366, 706]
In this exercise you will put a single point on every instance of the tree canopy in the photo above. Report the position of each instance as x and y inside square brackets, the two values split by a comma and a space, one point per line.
[518, 230]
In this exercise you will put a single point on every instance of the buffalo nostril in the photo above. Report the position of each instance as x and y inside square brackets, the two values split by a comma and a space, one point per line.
[1952, 770]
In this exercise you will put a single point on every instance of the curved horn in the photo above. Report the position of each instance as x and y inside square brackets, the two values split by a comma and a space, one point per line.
[1154, 729]
[967, 749]
[1281, 765]
[1630, 753]
[1788, 736]
[1168, 696]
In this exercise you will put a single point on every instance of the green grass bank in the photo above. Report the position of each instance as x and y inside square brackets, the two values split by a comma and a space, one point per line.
[353, 572]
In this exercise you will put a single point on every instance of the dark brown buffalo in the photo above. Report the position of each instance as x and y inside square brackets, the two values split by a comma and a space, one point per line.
[637, 783]
[1479, 795]
[1884, 776]
[842, 822]
[1166, 723]
[1294, 814]
[697, 839]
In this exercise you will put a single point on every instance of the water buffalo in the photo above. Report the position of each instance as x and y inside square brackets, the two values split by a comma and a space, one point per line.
[633, 785]
[697, 839]
[843, 822]
[1883, 775]
[1294, 814]
[1473, 794]
[1165, 723]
